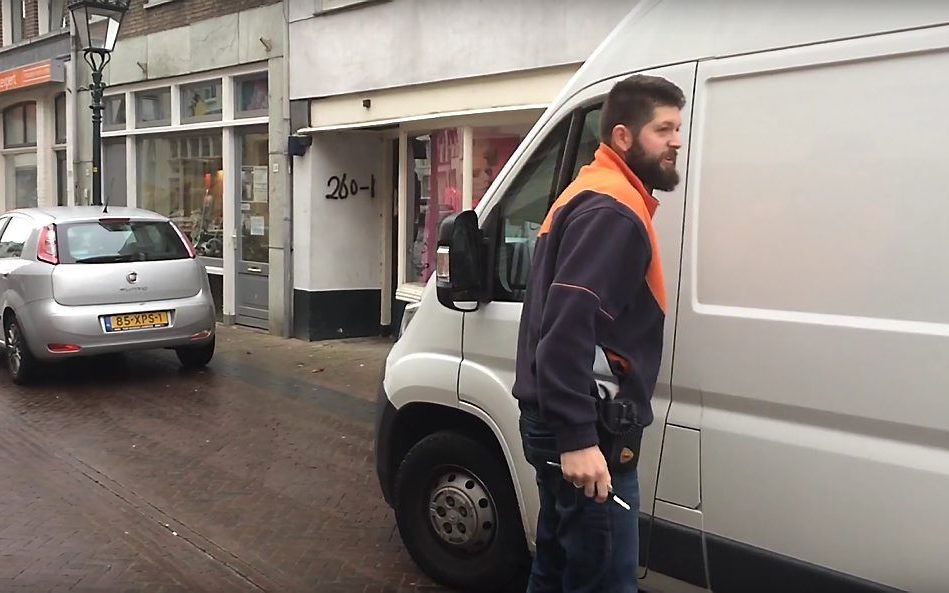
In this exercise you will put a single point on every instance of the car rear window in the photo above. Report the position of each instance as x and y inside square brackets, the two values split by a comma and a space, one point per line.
[119, 241]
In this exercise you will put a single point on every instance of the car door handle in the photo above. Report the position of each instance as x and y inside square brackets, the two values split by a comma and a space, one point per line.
[255, 270]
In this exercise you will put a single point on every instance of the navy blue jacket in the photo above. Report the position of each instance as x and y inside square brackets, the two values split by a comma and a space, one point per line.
[596, 281]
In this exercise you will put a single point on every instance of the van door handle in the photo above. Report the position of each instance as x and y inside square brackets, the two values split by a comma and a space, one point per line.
[254, 270]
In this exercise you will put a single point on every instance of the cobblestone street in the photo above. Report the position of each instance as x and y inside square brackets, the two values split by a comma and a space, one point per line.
[127, 474]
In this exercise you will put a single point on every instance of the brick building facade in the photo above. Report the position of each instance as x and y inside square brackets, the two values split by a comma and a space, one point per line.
[153, 16]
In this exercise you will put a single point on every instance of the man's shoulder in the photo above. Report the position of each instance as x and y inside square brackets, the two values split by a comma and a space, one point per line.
[607, 183]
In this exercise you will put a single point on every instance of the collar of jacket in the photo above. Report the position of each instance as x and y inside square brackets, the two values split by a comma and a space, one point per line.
[607, 157]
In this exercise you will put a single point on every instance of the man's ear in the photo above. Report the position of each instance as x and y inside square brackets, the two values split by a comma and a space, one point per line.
[622, 138]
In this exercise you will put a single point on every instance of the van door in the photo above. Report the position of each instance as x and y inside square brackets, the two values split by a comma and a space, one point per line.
[512, 221]
[814, 320]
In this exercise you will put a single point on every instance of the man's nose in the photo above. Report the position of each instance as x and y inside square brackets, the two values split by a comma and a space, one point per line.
[676, 141]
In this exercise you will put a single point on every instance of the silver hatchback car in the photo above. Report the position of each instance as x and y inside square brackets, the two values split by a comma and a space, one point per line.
[80, 281]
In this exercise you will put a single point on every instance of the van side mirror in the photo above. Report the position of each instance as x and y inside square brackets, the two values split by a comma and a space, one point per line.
[458, 273]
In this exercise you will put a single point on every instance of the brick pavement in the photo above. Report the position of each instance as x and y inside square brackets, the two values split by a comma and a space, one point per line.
[262, 465]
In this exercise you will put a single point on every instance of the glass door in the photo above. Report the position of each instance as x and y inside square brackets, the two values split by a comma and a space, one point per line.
[253, 235]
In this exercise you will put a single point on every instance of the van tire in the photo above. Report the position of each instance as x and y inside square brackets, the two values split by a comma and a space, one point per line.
[498, 560]
[21, 363]
[193, 357]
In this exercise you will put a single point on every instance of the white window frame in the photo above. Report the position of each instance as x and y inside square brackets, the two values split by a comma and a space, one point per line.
[227, 126]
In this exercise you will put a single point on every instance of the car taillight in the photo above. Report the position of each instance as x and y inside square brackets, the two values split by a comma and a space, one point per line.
[185, 240]
[63, 348]
[46, 249]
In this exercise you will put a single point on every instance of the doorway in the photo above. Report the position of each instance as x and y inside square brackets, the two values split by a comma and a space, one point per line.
[253, 232]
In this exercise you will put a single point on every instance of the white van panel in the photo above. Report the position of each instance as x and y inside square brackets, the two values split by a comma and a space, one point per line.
[423, 365]
[675, 31]
[814, 314]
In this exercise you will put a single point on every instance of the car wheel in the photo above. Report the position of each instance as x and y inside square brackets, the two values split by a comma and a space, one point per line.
[458, 516]
[20, 361]
[192, 357]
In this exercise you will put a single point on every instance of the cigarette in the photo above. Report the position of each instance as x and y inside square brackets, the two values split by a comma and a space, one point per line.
[615, 498]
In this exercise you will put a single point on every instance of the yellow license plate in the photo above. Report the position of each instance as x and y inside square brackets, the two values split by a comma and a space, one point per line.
[121, 323]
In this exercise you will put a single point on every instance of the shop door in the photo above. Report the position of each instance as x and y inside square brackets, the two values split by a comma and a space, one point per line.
[253, 233]
[114, 172]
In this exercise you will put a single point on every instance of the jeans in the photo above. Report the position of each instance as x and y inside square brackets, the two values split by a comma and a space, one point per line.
[582, 546]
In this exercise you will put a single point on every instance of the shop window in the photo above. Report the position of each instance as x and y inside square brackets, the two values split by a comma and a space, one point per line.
[253, 98]
[523, 209]
[182, 177]
[61, 189]
[58, 15]
[60, 104]
[21, 184]
[19, 125]
[201, 102]
[255, 199]
[114, 117]
[434, 193]
[18, 20]
[153, 107]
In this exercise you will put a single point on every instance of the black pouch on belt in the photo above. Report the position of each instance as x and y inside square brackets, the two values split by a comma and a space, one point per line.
[620, 434]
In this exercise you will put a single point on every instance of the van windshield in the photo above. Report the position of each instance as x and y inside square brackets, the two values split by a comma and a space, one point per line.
[119, 241]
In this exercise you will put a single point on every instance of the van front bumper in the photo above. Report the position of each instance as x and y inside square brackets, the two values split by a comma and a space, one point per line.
[385, 466]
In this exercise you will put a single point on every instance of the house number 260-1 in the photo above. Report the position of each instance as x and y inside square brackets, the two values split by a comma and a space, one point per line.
[343, 187]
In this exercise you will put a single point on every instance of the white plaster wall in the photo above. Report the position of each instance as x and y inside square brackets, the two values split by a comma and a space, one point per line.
[405, 42]
[337, 242]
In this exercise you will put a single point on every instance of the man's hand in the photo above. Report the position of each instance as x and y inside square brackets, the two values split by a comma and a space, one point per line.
[587, 469]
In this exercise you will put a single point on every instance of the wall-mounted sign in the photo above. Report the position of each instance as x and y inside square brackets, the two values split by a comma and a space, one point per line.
[32, 75]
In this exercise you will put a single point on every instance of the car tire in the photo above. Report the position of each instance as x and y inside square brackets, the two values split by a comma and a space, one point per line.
[193, 357]
[478, 542]
[20, 361]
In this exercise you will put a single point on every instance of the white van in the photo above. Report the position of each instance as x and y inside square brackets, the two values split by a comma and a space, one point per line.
[801, 434]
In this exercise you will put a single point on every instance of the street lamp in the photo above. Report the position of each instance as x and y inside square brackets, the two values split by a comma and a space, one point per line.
[97, 24]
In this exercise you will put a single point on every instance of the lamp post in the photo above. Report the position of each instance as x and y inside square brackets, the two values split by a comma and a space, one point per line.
[97, 24]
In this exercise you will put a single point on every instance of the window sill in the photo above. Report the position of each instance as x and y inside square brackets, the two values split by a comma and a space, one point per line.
[18, 150]
[353, 5]
[410, 293]
[31, 40]
[154, 3]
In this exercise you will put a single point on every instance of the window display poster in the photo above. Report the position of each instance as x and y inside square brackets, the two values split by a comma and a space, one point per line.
[258, 226]
[260, 184]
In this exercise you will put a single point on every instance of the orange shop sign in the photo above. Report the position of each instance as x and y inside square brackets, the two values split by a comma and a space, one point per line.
[27, 76]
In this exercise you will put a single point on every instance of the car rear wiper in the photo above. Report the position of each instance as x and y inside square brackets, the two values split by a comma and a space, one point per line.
[108, 259]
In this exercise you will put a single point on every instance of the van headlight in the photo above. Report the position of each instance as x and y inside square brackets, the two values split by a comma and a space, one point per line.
[408, 316]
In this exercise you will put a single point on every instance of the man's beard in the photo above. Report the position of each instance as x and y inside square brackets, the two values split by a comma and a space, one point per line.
[650, 170]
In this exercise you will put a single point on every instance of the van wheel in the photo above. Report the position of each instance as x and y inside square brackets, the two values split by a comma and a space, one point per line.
[458, 516]
[20, 361]
[193, 357]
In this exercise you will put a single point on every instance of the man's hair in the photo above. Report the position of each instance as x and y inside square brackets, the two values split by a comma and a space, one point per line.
[632, 103]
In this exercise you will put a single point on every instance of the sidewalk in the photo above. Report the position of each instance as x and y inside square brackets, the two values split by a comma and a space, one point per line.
[351, 366]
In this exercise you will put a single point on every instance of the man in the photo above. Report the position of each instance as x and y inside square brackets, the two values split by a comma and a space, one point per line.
[596, 283]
